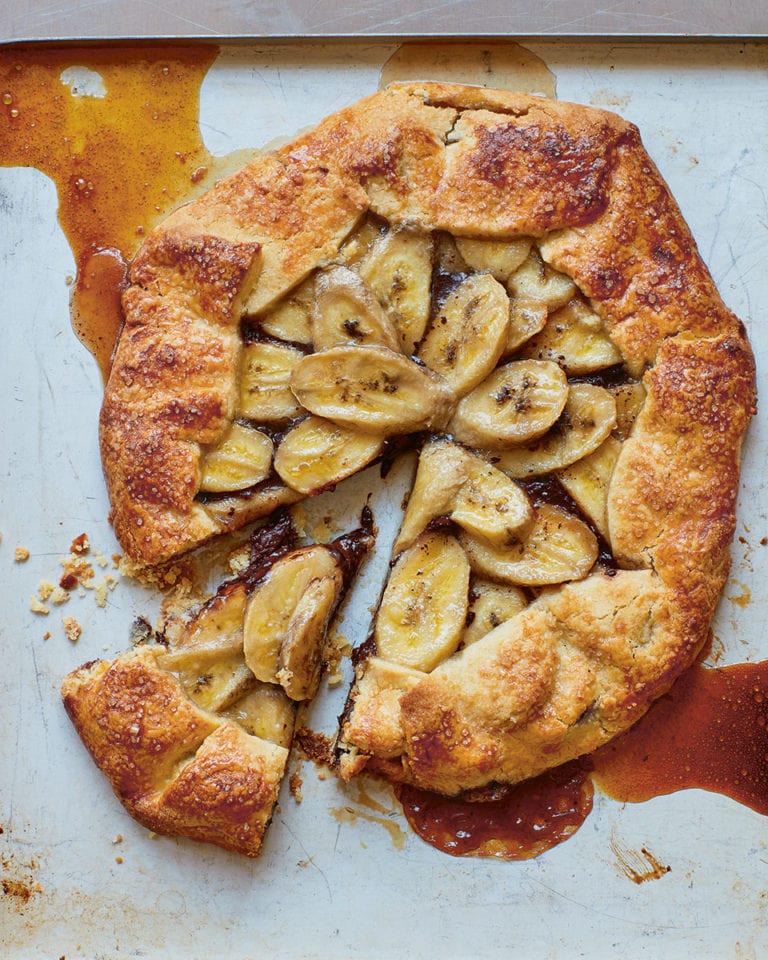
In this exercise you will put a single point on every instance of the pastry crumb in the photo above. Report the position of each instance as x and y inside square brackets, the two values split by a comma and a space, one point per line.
[44, 589]
[80, 544]
[21, 555]
[72, 628]
[59, 596]
[295, 784]
[36, 606]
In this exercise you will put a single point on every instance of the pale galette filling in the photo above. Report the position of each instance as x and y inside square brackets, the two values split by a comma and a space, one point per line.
[497, 368]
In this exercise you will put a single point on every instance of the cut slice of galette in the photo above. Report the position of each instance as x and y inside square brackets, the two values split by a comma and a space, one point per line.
[505, 283]
[193, 730]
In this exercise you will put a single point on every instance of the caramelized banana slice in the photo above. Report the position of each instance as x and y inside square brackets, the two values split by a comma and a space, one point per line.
[214, 633]
[275, 614]
[536, 280]
[316, 454]
[629, 399]
[587, 482]
[301, 653]
[424, 606]
[469, 334]
[442, 471]
[289, 319]
[360, 241]
[398, 270]
[558, 547]
[265, 371]
[526, 319]
[372, 388]
[575, 337]
[500, 258]
[242, 459]
[266, 712]
[491, 604]
[490, 505]
[218, 685]
[588, 418]
[516, 404]
[345, 311]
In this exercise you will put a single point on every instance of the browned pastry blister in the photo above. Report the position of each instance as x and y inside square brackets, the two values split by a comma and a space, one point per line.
[510, 279]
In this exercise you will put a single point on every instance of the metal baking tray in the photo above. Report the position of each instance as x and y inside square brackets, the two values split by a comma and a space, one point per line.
[341, 874]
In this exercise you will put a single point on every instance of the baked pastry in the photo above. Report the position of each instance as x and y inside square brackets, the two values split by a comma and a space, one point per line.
[506, 281]
[193, 730]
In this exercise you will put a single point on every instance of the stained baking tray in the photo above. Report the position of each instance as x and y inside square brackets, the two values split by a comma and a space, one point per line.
[341, 874]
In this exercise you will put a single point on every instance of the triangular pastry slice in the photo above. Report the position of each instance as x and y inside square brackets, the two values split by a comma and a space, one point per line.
[192, 741]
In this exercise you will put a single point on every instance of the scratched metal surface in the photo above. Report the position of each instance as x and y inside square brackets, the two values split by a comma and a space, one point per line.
[40, 19]
[340, 875]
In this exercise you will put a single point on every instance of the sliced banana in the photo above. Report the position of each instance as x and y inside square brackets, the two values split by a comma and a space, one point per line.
[516, 404]
[490, 505]
[265, 372]
[424, 606]
[500, 258]
[241, 460]
[300, 660]
[360, 241]
[469, 334]
[265, 712]
[218, 685]
[526, 319]
[557, 547]
[587, 482]
[372, 388]
[491, 604]
[587, 419]
[275, 614]
[215, 633]
[536, 280]
[289, 320]
[576, 338]
[441, 472]
[316, 454]
[398, 270]
[345, 311]
[629, 398]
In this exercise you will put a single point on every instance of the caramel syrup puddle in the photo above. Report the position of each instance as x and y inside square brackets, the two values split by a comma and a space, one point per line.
[116, 129]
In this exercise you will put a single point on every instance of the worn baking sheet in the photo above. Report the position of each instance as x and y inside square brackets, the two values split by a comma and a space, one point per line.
[341, 875]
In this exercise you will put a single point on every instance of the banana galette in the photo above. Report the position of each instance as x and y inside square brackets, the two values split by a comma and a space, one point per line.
[504, 283]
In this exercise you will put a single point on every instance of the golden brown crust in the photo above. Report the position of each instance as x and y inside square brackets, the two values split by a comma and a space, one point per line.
[176, 768]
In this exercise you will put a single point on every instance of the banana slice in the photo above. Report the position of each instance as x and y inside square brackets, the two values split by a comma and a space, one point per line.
[290, 319]
[424, 607]
[241, 460]
[316, 454]
[266, 712]
[490, 505]
[218, 685]
[575, 337]
[536, 280]
[360, 241]
[490, 605]
[301, 653]
[629, 398]
[518, 403]
[558, 547]
[215, 633]
[275, 614]
[587, 482]
[587, 419]
[372, 388]
[265, 372]
[469, 334]
[500, 258]
[398, 270]
[526, 319]
[442, 471]
[345, 311]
